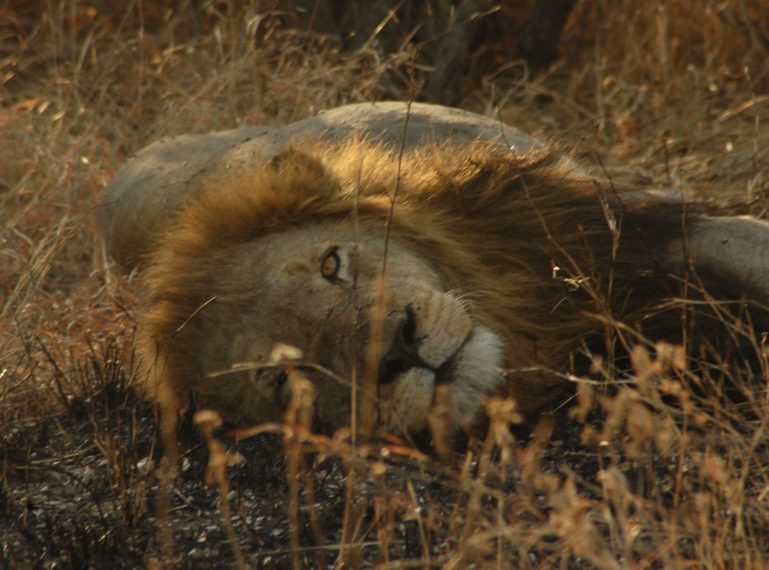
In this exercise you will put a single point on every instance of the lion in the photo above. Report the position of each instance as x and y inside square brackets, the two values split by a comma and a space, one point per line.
[407, 247]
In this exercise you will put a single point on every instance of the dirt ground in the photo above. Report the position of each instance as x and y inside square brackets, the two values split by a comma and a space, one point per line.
[656, 473]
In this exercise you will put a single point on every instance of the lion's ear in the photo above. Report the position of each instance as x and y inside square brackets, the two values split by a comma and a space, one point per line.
[294, 179]
[293, 162]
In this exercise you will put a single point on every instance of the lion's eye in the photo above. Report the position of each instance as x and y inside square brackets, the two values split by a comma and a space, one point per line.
[329, 267]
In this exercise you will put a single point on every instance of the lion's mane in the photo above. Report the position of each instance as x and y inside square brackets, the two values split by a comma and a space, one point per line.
[546, 256]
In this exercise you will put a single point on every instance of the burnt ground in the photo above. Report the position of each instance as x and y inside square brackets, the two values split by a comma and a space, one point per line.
[80, 490]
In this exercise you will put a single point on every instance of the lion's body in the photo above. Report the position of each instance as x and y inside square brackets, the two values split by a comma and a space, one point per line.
[400, 247]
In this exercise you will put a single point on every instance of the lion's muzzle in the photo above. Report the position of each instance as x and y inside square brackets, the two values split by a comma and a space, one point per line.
[435, 341]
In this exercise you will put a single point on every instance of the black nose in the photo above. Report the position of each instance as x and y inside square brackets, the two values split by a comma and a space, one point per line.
[403, 353]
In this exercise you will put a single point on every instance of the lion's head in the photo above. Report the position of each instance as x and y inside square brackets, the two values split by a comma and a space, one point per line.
[317, 288]
[296, 254]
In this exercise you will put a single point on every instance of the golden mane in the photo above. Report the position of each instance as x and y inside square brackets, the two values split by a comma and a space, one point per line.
[545, 255]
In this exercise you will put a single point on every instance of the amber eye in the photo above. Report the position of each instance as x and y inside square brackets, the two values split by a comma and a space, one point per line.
[330, 265]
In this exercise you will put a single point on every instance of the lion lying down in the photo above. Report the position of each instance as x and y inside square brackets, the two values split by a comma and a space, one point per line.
[497, 266]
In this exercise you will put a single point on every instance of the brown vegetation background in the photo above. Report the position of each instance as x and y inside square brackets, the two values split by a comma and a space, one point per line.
[663, 93]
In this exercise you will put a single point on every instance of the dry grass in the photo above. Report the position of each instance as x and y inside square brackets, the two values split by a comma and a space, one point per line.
[664, 471]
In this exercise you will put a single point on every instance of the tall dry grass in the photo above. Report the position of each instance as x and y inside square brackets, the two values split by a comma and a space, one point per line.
[664, 471]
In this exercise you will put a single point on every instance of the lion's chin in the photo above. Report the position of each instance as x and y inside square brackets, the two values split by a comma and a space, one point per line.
[472, 374]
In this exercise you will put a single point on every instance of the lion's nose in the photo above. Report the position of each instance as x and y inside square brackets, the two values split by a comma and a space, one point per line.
[404, 350]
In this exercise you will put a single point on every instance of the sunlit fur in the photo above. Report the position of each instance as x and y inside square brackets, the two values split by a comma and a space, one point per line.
[545, 257]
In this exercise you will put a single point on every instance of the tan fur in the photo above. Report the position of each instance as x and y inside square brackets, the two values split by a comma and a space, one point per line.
[503, 264]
